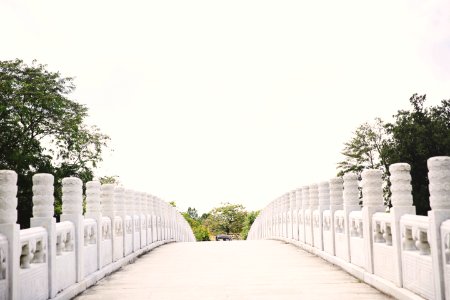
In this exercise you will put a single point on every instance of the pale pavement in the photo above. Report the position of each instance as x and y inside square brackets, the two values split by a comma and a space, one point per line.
[230, 270]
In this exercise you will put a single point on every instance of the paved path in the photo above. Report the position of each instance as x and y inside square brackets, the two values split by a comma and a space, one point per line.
[230, 270]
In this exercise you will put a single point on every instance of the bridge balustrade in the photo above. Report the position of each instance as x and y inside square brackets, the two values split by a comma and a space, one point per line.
[54, 260]
[398, 252]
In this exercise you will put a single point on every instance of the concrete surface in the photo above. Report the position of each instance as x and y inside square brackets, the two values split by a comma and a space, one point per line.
[230, 270]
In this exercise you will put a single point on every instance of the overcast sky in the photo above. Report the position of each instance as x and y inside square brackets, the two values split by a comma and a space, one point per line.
[233, 101]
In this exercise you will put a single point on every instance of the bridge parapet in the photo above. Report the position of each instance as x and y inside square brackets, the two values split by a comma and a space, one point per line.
[54, 260]
[404, 255]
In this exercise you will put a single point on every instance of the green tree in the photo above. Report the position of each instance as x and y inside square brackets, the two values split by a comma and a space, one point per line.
[109, 179]
[192, 212]
[249, 219]
[200, 231]
[41, 130]
[369, 148]
[366, 149]
[417, 135]
[228, 218]
[413, 137]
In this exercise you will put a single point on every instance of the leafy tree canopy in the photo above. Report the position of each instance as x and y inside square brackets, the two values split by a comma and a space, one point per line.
[228, 218]
[414, 136]
[248, 222]
[42, 130]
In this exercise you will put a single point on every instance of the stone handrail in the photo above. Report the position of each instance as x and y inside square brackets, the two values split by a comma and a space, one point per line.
[404, 255]
[54, 260]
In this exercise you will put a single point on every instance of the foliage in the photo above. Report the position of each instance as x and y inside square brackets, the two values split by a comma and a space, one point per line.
[228, 218]
[417, 135]
[173, 203]
[366, 149]
[192, 212]
[200, 231]
[109, 179]
[414, 136]
[41, 130]
[249, 219]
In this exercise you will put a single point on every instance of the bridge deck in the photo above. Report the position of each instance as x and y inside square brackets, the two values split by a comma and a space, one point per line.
[230, 270]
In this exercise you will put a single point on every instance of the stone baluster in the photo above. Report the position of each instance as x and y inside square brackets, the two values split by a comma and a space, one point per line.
[128, 221]
[135, 220]
[402, 203]
[107, 207]
[439, 177]
[163, 220]
[298, 212]
[351, 203]
[313, 205]
[285, 198]
[158, 218]
[279, 217]
[148, 216]
[372, 192]
[93, 211]
[293, 212]
[336, 203]
[324, 204]
[306, 211]
[9, 228]
[152, 218]
[120, 211]
[155, 220]
[142, 218]
[72, 211]
[43, 217]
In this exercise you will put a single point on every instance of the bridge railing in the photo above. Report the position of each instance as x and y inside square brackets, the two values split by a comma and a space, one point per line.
[54, 260]
[402, 254]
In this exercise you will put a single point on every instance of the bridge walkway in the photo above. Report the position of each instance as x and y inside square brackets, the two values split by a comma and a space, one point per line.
[230, 270]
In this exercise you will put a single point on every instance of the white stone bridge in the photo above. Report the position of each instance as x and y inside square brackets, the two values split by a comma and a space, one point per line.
[314, 242]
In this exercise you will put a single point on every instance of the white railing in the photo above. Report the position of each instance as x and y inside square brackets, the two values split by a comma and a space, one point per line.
[404, 255]
[59, 260]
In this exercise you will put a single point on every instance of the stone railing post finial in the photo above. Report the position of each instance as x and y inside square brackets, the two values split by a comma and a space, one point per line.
[43, 196]
[401, 185]
[351, 190]
[372, 187]
[336, 192]
[93, 197]
[8, 197]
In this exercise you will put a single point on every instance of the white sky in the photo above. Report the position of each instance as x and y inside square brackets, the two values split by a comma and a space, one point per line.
[239, 101]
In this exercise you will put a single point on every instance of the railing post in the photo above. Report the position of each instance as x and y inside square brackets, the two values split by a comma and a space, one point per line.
[119, 211]
[372, 190]
[336, 201]
[298, 212]
[351, 203]
[43, 217]
[9, 228]
[439, 177]
[324, 204]
[148, 215]
[313, 205]
[93, 212]
[291, 214]
[107, 206]
[305, 208]
[154, 220]
[72, 209]
[402, 203]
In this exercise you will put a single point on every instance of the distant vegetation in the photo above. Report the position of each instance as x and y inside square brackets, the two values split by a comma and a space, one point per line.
[230, 219]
